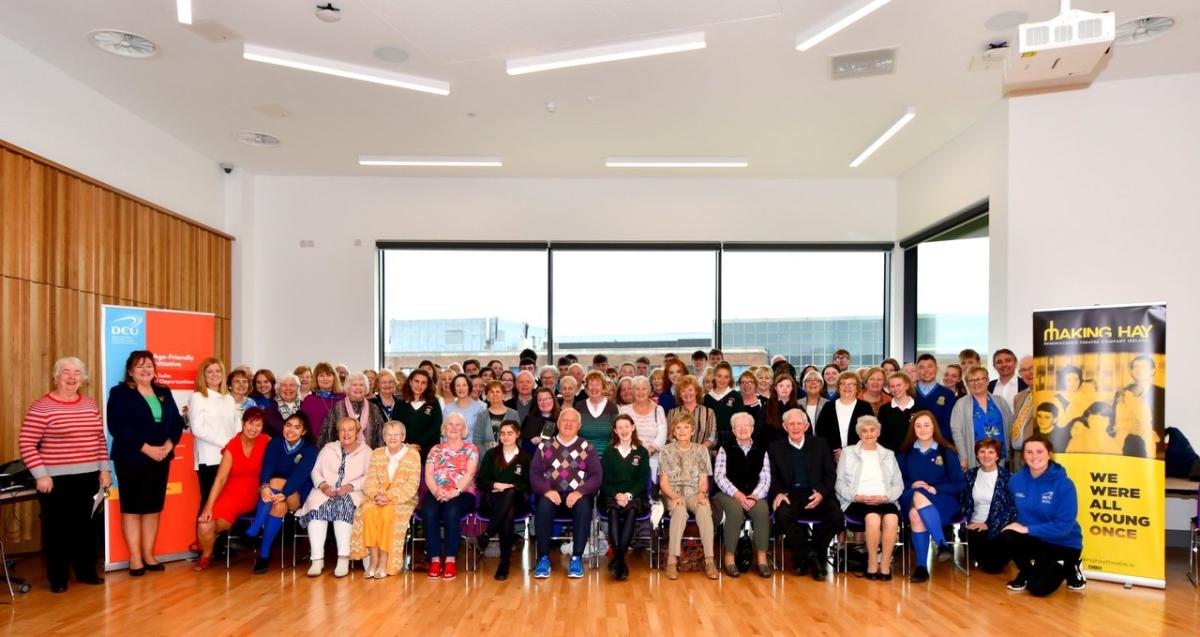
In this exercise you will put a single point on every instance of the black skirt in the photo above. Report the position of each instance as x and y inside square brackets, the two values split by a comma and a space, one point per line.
[860, 510]
[142, 486]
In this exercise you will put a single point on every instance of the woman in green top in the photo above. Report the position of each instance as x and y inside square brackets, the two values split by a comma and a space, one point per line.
[504, 489]
[623, 494]
[596, 413]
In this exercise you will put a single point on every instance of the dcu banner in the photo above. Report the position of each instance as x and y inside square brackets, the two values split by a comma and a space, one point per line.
[1100, 392]
[179, 341]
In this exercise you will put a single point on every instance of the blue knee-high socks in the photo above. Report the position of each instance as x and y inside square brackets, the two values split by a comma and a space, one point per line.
[260, 516]
[921, 548]
[933, 524]
[270, 529]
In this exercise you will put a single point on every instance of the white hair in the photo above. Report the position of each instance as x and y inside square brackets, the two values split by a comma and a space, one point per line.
[358, 376]
[866, 421]
[740, 416]
[69, 360]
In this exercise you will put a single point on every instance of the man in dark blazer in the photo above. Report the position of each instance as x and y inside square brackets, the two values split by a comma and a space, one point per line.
[802, 480]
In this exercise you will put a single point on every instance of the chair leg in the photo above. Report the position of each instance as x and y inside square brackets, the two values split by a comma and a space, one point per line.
[12, 596]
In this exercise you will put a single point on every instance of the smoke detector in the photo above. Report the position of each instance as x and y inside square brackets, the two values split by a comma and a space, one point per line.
[1144, 29]
[328, 13]
[123, 43]
[258, 140]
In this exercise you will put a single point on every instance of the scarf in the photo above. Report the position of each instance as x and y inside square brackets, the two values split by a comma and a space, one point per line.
[362, 416]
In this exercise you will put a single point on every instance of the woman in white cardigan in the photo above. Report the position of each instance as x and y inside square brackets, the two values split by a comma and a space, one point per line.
[338, 479]
[868, 487]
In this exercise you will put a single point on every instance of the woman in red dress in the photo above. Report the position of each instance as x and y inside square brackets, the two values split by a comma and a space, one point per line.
[235, 490]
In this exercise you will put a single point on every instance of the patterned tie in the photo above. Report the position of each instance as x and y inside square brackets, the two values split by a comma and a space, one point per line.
[1019, 421]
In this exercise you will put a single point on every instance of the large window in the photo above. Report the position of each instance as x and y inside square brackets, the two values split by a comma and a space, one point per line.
[448, 302]
[632, 302]
[804, 305]
[457, 304]
[947, 301]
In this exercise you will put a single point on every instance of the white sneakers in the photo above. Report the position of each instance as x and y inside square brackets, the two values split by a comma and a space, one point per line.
[343, 567]
[316, 567]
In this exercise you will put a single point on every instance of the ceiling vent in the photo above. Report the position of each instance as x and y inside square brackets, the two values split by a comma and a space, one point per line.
[1144, 29]
[862, 64]
[122, 43]
[258, 140]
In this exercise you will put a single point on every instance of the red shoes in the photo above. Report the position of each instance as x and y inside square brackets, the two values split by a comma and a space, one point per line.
[449, 570]
[435, 570]
[202, 564]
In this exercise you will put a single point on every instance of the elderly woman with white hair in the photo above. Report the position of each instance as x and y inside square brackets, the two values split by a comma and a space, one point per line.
[390, 497]
[62, 444]
[743, 477]
[287, 402]
[338, 478]
[355, 405]
[450, 479]
[869, 485]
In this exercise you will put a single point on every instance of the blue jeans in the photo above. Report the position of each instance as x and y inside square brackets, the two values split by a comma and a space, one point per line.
[445, 516]
[580, 516]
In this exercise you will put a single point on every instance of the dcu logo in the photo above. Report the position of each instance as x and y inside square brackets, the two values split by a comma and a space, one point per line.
[126, 326]
[1048, 497]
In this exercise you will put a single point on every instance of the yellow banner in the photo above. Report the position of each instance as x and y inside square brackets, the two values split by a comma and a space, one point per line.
[1121, 511]
[1099, 399]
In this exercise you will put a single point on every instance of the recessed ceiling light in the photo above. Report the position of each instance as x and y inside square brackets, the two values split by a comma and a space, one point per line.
[342, 69]
[393, 54]
[1143, 29]
[183, 11]
[409, 160]
[122, 43]
[852, 13]
[257, 139]
[606, 53]
[907, 117]
[676, 162]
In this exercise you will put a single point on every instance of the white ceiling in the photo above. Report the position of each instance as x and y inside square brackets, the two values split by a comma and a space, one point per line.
[749, 94]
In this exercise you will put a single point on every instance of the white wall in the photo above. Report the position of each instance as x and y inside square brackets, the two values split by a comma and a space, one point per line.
[969, 168]
[50, 113]
[290, 283]
[1104, 199]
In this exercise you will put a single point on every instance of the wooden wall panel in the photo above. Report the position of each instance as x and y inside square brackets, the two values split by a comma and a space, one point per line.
[68, 245]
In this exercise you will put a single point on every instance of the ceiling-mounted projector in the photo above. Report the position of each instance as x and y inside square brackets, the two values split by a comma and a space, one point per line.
[1064, 50]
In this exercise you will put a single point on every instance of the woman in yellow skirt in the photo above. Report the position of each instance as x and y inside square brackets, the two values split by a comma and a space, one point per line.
[390, 496]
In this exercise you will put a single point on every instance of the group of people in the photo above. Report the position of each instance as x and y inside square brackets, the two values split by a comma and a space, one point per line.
[808, 456]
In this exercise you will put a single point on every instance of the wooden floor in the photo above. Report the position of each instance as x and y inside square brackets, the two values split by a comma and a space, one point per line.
[234, 602]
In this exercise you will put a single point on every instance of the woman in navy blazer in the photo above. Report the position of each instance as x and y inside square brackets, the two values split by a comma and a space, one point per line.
[145, 426]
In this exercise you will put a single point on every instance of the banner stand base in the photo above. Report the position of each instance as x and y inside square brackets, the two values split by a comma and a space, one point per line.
[1127, 580]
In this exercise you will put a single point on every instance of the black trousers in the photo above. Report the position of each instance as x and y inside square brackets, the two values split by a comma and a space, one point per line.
[207, 475]
[1042, 565]
[990, 553]
[793, 520]
[68, 534]
[501, 509]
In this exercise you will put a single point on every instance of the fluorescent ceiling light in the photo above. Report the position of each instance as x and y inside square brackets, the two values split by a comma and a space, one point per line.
[676, 162]
[607, 53]
[395, 160]
[909, 114]
[836, 22]
[342, 69]
[183, 9]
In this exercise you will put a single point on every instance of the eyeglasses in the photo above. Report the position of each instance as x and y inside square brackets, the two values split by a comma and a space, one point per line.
[976, 380]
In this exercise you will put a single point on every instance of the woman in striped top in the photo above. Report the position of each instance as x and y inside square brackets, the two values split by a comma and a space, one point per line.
[62, 443]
